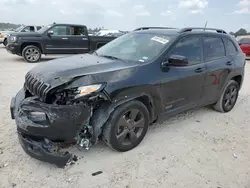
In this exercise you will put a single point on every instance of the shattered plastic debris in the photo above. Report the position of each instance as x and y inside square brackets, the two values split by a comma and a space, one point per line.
[235, 156]
[72, 161]
[97, 173]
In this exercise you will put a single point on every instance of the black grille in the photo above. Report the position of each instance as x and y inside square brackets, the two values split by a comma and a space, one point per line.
[36, 87]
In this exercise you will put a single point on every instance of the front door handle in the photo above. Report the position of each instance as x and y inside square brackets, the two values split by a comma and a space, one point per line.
[65, 38]
[229, 63]
[199, 70]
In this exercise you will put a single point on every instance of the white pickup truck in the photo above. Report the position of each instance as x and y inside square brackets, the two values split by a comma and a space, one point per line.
[22, 28]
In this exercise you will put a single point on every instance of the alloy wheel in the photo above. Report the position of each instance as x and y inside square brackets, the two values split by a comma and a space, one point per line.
[130, 127]
[230, 97]
[32, 54]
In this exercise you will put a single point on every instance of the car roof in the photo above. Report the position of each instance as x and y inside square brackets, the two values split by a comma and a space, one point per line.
[68, 24]
[159, 31]
[175, 31]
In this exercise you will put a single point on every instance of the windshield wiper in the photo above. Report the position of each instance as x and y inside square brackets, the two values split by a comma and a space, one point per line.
[111, 57]
[94, 52]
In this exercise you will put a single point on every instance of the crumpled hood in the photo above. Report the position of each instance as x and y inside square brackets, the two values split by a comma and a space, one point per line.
[65, 69]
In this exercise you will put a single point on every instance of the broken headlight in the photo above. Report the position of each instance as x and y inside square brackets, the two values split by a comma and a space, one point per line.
[86, 90]
[71, 95]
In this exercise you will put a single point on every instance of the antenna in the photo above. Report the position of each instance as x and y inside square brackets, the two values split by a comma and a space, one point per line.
[205, 26]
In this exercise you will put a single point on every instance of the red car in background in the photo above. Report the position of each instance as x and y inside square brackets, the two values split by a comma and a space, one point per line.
[245, 45]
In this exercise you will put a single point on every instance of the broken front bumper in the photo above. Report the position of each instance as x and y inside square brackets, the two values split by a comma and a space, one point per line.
[45, 151]
[38, 122]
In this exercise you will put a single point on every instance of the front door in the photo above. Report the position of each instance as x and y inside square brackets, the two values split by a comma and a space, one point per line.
[218, 66]
[184, 85]
[57, 42]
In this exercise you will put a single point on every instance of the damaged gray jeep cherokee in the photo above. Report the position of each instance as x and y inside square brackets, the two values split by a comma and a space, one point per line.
[114, 93]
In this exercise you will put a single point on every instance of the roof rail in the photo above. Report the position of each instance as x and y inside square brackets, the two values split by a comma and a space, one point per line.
[146, 28]
[205, 29]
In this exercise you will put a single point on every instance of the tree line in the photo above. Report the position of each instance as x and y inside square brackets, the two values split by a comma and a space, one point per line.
[240, 32]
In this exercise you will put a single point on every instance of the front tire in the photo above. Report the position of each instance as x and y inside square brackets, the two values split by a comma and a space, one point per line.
[228, 98]
[5, 42]
[31, 54]
[127, 126]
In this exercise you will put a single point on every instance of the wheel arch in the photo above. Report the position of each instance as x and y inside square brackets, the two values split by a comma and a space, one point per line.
[37, 44]
[102, 113]
[238, 79]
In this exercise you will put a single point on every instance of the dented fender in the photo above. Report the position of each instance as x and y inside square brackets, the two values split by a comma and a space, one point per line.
[102, 114]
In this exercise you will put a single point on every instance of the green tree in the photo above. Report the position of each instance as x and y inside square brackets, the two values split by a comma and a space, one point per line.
[4, 26]
[241, 32]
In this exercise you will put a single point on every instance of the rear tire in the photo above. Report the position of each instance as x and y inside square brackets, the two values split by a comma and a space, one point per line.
[127, 126]
[5, 42]
[228, 98]
[31, 54]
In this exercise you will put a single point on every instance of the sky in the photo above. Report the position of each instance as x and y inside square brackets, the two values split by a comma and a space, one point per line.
[229, 15]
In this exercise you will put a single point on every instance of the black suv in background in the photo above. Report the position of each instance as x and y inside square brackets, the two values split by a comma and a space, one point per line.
[54, 39]
[115, 93]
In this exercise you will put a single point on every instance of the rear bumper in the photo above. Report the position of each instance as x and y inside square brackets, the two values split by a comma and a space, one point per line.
[13, 48]
[52, 126]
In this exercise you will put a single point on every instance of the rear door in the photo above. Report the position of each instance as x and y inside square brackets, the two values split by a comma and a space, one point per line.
[245, 45]
[78, 39]
[218, 66]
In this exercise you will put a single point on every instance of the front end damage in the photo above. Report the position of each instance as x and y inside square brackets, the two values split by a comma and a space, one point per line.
[45, 130]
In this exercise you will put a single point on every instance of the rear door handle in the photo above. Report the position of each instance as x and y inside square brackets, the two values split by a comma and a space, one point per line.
[199, 70]
[229, 63]
[65, 38]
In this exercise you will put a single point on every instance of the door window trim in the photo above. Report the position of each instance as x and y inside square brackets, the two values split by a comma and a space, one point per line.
[84, 36]
[212, 36]
[187, 36]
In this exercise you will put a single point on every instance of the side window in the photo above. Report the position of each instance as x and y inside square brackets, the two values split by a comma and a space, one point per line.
[213, 48]
[28, 29]
[76, 30]
[38, 28]
[190, 47]
[60, 30]
[230, 47]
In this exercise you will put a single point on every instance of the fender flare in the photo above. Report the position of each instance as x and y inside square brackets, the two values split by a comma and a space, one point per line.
[102, 114]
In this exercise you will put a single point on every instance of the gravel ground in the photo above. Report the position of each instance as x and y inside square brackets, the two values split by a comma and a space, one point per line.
[193, 149]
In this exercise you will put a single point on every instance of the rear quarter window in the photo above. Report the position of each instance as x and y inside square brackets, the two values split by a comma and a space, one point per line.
[230, 47]
[213, 48]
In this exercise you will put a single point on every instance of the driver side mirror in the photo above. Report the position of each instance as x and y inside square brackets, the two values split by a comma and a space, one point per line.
[175, 61]
[50, 32]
